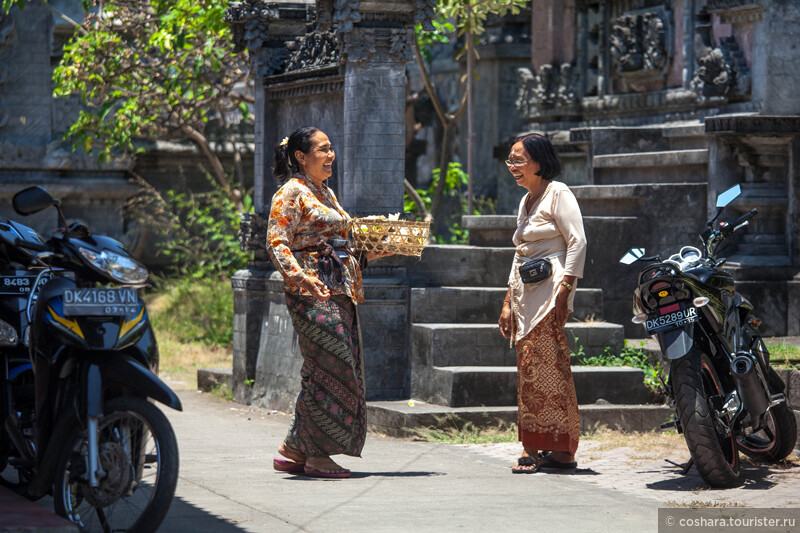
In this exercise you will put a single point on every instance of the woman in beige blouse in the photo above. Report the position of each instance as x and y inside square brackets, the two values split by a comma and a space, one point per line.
[549, 224]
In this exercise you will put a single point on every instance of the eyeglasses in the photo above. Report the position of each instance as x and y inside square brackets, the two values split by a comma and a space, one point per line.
[510, 163]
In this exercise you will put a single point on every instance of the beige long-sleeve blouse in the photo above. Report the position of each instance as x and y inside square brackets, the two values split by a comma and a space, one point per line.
[552, 226]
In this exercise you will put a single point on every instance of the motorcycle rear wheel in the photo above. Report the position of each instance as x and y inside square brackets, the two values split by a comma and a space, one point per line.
[694, 380]
[776, 441]
[139, 454]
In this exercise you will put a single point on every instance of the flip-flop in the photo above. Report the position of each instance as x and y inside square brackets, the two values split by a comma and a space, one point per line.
[547, 461]
[288, 466]
[526, 461]
[313, 472]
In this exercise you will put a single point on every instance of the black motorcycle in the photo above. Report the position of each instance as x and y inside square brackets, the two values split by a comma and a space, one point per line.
[105, 452]
[726, 396]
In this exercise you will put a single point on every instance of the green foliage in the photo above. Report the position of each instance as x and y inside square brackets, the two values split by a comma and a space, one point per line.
[202, 240]
[149, 69]
[629, 356]
[198, 232]
[470, 16]
[455, 180]
[196, 310]
[442, 30]
[783, 354]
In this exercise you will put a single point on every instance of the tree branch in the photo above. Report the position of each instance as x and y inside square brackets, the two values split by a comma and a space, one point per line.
[426, 80]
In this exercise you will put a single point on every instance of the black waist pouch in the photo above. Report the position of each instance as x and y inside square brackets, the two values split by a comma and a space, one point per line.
[535, 270]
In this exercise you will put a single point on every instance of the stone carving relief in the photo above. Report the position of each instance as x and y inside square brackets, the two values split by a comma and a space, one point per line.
[553, 91]
[424, 13]
[735, 11]
[314, 50]
[638, 43]
[250, 20]
[252, 232]
[345, 14]
[721, 71]
[379, 44]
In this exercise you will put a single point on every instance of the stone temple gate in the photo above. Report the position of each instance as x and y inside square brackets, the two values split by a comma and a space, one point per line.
[340, 66]
[655, 106]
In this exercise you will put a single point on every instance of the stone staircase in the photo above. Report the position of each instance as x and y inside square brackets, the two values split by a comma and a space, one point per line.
[653, 154]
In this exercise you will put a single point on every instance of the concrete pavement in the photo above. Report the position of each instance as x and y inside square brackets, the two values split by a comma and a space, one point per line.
[227, 485]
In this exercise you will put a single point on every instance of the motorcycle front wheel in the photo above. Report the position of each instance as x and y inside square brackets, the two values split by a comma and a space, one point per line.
[694, 381]
[139, 460]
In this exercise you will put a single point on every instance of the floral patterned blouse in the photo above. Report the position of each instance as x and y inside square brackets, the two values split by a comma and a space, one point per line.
[304, 214]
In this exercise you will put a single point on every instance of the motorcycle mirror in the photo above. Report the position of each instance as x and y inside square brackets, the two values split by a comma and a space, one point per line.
[728, 196]
[32, 200]
[632, 255]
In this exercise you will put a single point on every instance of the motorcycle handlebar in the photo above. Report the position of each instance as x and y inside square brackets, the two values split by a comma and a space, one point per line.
[744, 218]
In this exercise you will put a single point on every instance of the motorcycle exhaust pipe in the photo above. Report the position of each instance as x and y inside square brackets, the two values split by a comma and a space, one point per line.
[752, 390]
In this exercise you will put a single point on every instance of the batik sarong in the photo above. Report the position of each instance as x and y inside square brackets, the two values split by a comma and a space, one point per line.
[330, 413]
[548, 407]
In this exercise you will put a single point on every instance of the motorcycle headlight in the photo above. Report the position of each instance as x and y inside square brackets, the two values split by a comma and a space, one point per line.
[120, 267]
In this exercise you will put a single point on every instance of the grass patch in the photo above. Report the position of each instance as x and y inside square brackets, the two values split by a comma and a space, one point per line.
[629, 356]
[193, 324]
[783, 354]
[452, 429]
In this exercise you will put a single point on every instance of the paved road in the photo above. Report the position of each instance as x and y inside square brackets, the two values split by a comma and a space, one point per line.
[227, 485]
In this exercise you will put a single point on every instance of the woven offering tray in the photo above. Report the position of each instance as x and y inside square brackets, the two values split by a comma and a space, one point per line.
[380, 234]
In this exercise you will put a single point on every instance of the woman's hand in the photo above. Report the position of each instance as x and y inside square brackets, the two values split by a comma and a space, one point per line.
[377, 255]
[317, 289]
[562, 307]
[505, 320]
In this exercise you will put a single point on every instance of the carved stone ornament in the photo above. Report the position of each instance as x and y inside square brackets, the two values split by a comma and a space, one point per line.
[252, 232]
[424, 13]
[345, 14]
[314, 50]
[552, 92]
[379, 44]
[6, 28]
[638, 43]
[735, 11]
[250, 20]
[714, 76]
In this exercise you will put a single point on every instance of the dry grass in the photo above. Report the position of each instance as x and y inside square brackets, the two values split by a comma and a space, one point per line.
[180, 360]
[639, 442]
[695, 504]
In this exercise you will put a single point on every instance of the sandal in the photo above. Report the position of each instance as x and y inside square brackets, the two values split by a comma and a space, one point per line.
[525, 461]
[288, 466]
[547, 461]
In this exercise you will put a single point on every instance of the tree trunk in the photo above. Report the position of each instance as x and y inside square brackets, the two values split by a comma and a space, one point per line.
[468, 36]
[216, 165]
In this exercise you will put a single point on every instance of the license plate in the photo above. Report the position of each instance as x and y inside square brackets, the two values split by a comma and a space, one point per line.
[672, 320]
[17, 285]
[100, 302]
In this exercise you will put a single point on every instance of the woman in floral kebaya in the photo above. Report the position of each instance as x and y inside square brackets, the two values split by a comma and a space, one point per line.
[307, 242]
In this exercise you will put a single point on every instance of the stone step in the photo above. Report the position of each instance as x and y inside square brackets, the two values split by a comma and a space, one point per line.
[209, 379]
[672, 166]
[764, 238]
[470, 386]
[482, 344]
[404, 418]
[758, 261]
[652, 159]
[745, 248]
[456, 265]
[483, 304]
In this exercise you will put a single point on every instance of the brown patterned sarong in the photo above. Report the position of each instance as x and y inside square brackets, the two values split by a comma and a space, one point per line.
[547, 404]
[330, 413]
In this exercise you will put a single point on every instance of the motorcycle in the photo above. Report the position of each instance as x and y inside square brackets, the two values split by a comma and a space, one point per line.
[727, 397]
[99, 444]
